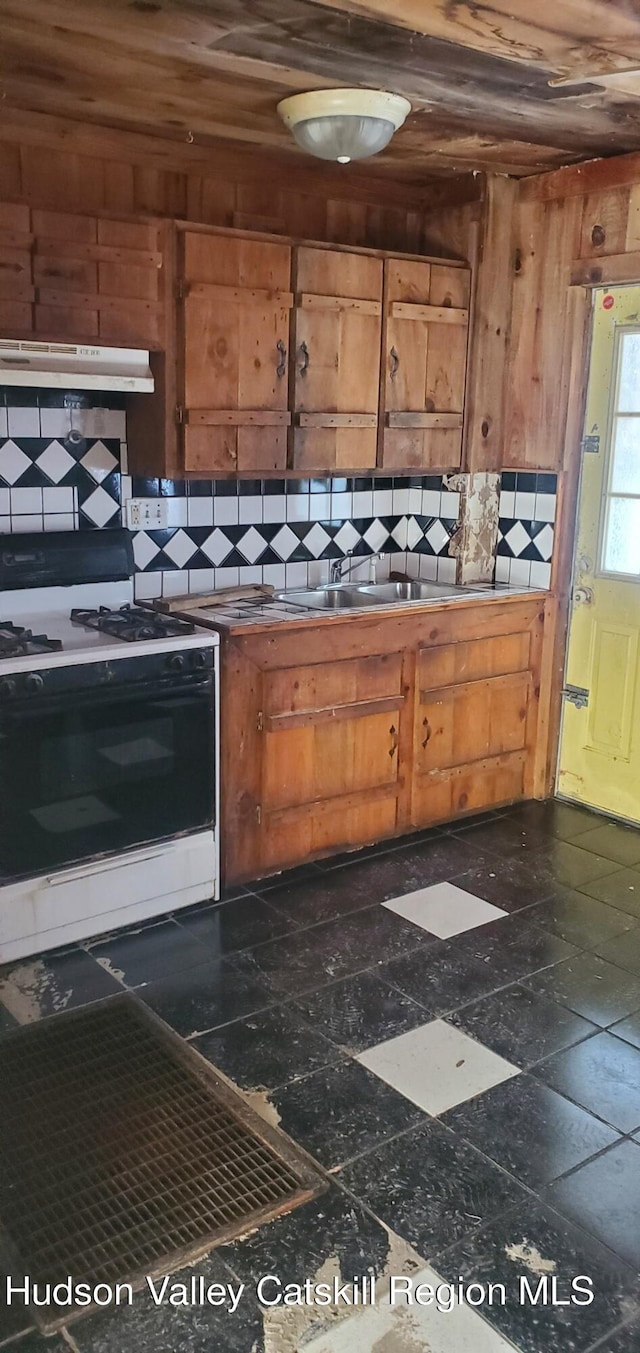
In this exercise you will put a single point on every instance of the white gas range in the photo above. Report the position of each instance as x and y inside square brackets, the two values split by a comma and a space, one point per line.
[109, 733]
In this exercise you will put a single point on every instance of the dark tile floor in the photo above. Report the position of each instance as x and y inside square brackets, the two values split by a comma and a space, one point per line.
[352, 1023]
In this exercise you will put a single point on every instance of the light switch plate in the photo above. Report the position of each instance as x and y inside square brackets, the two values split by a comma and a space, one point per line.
[147, 514]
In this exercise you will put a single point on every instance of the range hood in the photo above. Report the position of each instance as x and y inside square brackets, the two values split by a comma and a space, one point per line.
[69, 366]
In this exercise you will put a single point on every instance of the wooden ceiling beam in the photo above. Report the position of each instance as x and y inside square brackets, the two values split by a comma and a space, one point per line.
[573, 37]
[575, 180]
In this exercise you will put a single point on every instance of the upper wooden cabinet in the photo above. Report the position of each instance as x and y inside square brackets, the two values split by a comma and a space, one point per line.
[336, 359]
[424, 355]
[235, 303]
[84, 279]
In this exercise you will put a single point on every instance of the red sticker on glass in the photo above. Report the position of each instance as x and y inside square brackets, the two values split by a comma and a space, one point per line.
[608, 303]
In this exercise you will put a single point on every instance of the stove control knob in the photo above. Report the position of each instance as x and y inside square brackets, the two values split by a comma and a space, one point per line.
[175, 662]
[7, 688]
[200, 658]
[34, 683]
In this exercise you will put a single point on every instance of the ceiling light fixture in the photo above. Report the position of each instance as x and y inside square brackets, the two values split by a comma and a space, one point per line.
[344, 124]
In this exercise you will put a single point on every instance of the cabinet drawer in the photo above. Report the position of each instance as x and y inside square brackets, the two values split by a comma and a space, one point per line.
[451, 664]
[461, 724]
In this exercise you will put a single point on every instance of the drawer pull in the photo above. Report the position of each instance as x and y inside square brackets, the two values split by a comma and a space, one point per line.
[427, 727]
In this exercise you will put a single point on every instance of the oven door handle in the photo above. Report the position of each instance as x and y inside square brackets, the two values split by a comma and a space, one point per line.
[83, 871]
[96, 697]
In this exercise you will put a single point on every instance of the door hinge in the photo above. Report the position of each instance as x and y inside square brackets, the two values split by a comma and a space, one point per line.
[179, 414]
[591, 444]
[259, 814]
[260, 722]
[180, 290]
[576, 695]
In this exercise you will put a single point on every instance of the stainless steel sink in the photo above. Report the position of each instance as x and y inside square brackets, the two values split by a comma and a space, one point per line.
[410, 591]
[354, 596]
[337, 597]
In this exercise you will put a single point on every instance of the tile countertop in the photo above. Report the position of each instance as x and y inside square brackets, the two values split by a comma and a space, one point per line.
[262, 616]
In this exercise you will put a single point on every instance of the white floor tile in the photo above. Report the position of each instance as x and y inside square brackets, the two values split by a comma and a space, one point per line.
[412, 1329]
[444, 910]
[437, 1066]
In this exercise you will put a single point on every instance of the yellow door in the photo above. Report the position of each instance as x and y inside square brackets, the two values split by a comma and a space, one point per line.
[600, 744]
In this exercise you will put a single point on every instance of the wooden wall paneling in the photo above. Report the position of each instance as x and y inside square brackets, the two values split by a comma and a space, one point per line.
[447, 229]
[81, 279]
[152, 429]
[10, 171]
[546, 239]
[632, 239]
[490, 330]
[604, 223]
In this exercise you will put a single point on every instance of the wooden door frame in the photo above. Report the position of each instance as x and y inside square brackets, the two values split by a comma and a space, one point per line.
[557, 606]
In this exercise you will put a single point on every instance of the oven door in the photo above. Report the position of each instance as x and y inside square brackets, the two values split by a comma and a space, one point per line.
[96, 772]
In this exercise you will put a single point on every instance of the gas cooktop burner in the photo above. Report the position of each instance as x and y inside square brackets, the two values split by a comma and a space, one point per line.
[18, 642]
[132, 623]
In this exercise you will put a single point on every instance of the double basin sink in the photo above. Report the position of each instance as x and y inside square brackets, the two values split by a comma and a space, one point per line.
[355, 596]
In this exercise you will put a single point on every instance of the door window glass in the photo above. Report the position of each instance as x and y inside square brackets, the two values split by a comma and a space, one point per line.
[621, 528]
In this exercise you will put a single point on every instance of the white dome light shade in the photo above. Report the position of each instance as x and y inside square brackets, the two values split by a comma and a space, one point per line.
[344, 124]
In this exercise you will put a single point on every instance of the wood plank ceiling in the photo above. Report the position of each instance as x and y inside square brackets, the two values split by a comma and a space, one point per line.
[480, 77]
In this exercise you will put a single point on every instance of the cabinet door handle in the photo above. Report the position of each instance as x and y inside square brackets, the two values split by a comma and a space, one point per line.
[281, 369]
[304, 359]
[394, 363]
[427, 727]
[394, 740]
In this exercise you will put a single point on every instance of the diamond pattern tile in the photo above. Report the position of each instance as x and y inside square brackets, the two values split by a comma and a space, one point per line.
[144, 550]
[347, 537]
[13, 463]
[216, 547]
[376, 535]
[99, 461]
[251, 545]
[180, 548]
[317, 540]
[517, 539]
[437, 537]
[55, 462]
[284, 543]
[99, 507]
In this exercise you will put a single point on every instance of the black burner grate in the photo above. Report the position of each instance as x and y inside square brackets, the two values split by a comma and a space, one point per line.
[132, 623]
[122, 1153]
[18, 642]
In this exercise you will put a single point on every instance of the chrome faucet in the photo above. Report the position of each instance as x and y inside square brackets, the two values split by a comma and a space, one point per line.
[340, 568]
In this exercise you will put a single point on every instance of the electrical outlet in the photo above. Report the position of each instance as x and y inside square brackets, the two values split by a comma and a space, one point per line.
[147, 514]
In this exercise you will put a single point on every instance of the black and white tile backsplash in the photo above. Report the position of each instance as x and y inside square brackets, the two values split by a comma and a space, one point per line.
[63, 466]
[288, 532]
[60, 461]
[527, 514]
[63, 461]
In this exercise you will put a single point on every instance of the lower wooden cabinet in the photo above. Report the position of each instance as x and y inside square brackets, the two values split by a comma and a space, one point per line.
[338, 734]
